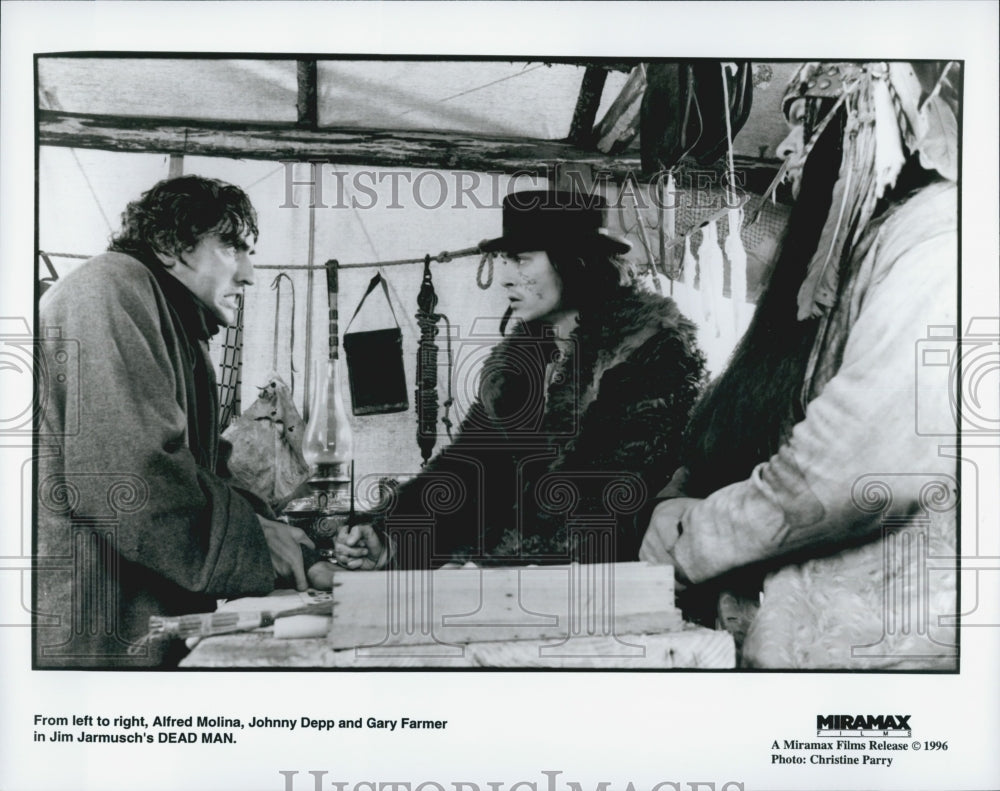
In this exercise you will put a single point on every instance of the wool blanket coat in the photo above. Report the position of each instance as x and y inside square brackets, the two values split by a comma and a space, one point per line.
[132, 518]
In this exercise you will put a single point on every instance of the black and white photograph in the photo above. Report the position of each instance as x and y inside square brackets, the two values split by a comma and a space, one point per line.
[373, 402]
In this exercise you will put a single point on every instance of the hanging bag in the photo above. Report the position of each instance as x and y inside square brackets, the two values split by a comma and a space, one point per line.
[375, 363]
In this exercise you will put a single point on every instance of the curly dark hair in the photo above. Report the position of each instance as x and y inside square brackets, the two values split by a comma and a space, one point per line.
[175, 214]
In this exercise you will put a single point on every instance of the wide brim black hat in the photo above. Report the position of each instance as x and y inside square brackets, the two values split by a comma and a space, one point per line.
[554, 219]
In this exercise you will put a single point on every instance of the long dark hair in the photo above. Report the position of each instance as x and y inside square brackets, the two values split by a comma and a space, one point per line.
[748, 411]
[588, 277]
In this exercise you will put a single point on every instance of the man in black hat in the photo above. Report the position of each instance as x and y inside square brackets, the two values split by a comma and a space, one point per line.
[588, 392]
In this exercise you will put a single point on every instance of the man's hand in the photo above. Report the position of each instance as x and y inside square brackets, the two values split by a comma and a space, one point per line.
[286, 556]
[360, 547]
[320, 575]
[664, 530]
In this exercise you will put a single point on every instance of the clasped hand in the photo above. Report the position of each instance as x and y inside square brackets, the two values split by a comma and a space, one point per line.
[664, 530]
[285, 544]
[360, 547]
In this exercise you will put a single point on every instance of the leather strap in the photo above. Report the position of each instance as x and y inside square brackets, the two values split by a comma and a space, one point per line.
[375, 281]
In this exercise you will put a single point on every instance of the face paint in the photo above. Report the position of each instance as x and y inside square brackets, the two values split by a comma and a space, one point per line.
[534, 288]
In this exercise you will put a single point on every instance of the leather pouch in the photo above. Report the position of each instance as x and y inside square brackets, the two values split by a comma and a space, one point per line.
[375, 364]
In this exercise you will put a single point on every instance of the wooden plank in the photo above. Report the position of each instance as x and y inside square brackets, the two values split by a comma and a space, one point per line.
[175, 167]
[620, 124]
[372, 147]
[307, 103]
[346, 146]
[587, 103]
[257, 649]
[452, 607]
[599, 617]
[693, 647]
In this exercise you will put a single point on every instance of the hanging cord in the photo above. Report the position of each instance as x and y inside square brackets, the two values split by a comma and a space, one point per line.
[427, 350]
[442, 257]
[729, 136]
[276, 287]
[485, 265]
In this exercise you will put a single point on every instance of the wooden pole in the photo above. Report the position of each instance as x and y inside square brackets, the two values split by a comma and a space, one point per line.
[620, 124]
[175, 168]
[307, 104]
[581, 129]
[310, 256]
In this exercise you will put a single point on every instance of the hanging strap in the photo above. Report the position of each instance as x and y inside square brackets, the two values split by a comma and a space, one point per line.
[375, 281]
[276, 287]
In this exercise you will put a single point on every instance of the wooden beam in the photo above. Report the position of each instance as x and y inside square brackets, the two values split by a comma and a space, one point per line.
[307, 104]
[175, 167]
[694, 647]
[459, 606]
[620, 124]
[587, 103]
[346, 146]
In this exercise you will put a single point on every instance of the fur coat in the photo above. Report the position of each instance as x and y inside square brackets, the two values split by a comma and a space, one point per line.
[556, 457]
[852, 522]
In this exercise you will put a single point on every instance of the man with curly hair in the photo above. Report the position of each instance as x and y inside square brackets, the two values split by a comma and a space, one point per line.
[136, 500]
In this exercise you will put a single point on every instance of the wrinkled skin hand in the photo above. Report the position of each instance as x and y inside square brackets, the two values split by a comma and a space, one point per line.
[360, 548]
[286, 555]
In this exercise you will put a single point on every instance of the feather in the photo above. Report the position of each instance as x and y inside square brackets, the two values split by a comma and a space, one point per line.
[737, 255]
[818, 289]
[688, 263]
[889, 156]
[939, 145]
[854, 196]
[905, 86]
[711, 264]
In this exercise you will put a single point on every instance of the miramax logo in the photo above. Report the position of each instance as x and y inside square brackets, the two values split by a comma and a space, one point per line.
[863, 725]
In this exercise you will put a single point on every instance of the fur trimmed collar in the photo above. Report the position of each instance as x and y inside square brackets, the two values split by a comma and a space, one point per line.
[603, 339]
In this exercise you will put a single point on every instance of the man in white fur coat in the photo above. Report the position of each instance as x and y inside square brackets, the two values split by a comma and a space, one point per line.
[814, 516]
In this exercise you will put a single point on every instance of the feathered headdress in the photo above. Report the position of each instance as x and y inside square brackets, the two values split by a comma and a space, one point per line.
[888, 117]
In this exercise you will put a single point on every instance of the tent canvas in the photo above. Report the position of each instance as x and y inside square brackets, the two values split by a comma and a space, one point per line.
[368, 213]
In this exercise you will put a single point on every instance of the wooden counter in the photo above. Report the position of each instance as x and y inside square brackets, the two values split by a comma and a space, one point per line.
[580, 616]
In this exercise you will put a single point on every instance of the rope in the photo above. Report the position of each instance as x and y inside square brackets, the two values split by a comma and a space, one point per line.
[729, 136]
[473, 90]
[443, 257]
[485, 264]
[446, 417]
